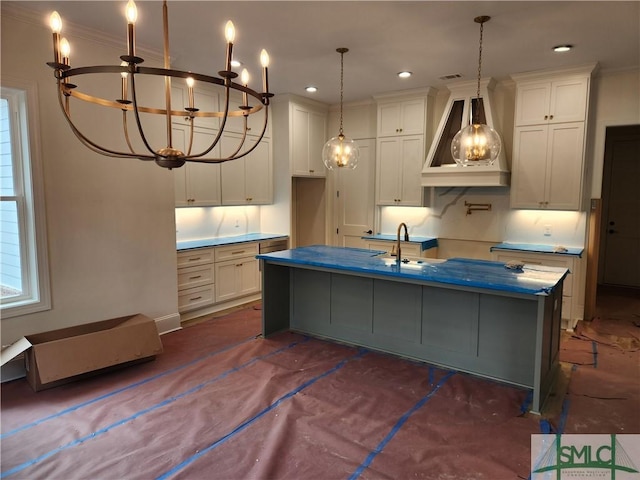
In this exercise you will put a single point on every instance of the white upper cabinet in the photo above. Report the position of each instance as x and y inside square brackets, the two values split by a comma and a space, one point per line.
[398, 170]
[400, 147]
[401, 117]
[196, 184]
[549, 139]
[308, 129]
[548, 173]
[246, 180]
[555, 101]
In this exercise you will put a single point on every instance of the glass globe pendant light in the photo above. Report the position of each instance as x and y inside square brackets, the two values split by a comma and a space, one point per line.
[341, 151]
[477, 143]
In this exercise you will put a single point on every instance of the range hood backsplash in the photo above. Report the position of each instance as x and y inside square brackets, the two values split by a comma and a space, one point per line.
[440, 170]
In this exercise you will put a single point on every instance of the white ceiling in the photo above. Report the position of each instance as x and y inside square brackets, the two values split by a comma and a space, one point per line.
[429, 38]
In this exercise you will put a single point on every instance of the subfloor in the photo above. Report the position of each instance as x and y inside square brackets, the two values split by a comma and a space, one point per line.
[223, 403]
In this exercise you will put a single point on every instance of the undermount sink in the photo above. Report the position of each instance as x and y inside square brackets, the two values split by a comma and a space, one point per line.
[410, 262]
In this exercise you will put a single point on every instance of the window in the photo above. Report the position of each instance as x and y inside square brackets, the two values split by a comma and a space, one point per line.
[24, 281]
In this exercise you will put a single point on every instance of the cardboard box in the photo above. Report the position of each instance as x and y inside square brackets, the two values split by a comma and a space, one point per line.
[61, 356]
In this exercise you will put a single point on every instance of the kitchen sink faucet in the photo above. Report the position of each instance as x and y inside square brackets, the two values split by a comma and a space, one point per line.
[406, 239]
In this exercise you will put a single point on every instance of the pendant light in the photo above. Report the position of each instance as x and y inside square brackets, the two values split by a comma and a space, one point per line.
[341, 151]
[477, 143]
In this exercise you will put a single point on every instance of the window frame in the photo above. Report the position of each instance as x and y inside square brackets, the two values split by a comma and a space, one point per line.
[29, 196]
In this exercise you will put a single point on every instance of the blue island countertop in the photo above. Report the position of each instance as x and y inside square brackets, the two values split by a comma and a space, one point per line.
[530, 279]
[539, 248]
[219, 241]
[425, 242]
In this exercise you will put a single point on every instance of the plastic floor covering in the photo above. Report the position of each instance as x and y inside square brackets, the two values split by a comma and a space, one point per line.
[223, 403]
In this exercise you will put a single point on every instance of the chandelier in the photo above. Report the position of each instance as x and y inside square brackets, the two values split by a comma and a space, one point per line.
[341, 151]
[130, 68]
[477, 143]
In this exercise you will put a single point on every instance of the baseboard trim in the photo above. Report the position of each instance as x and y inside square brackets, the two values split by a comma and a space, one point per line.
[218, 307]
[168, 323]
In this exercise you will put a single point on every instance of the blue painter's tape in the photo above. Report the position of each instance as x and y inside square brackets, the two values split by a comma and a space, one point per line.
[398, 426]
[120, 390]
[250, 421]
[122, 421]
[524, 408]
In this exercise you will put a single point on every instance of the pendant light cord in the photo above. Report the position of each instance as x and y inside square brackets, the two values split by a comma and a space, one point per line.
[480, 59]
[341, 51]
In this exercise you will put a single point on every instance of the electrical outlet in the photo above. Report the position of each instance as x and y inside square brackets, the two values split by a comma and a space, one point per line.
[547, 230]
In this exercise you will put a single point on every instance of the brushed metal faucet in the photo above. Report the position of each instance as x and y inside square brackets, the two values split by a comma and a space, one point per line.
[406, 239]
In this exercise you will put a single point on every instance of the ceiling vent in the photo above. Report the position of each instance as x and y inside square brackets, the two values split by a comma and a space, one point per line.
[440, 169]
[453, 76]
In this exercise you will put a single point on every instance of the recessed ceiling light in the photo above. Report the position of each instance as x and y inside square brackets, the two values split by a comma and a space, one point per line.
[311, 89]
[405, 74]
[236, 63]
[562, 48]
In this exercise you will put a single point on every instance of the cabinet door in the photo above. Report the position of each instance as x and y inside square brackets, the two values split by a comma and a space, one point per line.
[317, 139]
[248, 276]
[568, 100]
[412, 149]
[389, 119]
[258, 174]
[236, 278]
[388, 171]
[529, 166]
[196, 184]
[299, 128]
[233, 182]
[564, 166]
[532, 104]
[401, 118]
[413, 112]
[308, 134]
[225, 274]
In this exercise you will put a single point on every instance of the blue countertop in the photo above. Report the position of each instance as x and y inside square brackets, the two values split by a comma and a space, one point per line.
[425, 242]
[219, 241]
[539, 248]
[531, 279]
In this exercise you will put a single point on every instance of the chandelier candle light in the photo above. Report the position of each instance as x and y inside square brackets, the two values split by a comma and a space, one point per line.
[477, 143]
[167, 156]
[341, 151]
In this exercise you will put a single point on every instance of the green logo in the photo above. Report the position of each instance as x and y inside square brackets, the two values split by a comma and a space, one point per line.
[582, 456]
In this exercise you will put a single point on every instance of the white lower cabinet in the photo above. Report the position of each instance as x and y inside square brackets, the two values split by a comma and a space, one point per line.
[209, 277]
[195, 279]
[572, 308]
[237, 271]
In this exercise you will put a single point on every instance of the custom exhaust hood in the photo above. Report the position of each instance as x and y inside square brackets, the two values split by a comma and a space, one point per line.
[440, 169]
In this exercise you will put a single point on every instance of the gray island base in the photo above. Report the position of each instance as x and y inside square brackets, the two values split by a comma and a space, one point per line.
[473, 316]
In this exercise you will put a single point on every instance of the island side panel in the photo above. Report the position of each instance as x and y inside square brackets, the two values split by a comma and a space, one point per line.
[548, 338]
[310, 301]
[275, 298]
[507, 338]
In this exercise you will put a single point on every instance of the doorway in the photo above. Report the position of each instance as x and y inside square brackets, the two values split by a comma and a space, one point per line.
[619, 255]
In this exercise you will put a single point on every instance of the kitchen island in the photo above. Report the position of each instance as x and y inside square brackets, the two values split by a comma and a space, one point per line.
[474, 316]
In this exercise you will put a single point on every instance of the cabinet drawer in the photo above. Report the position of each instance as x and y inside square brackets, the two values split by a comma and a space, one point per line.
[239, 250]
[194, 298]
[195, 276]
[190, 258]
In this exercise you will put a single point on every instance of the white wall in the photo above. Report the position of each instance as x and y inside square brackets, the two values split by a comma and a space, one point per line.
[111, 224]
[616, 102]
